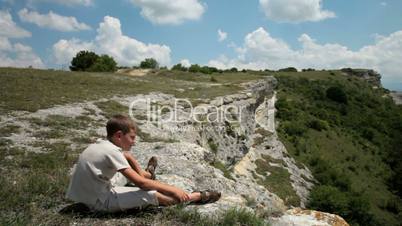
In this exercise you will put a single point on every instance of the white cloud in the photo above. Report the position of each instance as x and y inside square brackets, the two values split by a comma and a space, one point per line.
[222, 35]
[383, 4]
[295, 11]
[170, 11]
[262, 51]
[64, 50]
[15, 54]
[110, 40]
[185, 63]
[18, 55]
[52, 21]
[9, 29]
[64, 2]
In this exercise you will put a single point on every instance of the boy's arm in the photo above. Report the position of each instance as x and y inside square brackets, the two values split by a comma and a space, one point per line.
[135, 165]
[147, 184]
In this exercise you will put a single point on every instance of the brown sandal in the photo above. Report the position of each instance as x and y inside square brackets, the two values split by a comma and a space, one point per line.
[208, 196]
[152, 164]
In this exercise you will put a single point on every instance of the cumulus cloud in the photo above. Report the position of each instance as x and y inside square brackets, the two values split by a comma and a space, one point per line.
[295, 11]
[185, 63]
[18, 55]
[15, 54]
[110, 40]
[170, 11]
[8, 28]
[64, 2]
[261, 51]
[222, 35]
[64, 50]
[52, 21]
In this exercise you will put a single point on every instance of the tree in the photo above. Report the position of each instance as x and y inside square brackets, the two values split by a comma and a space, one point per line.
[194, 68]
[337, 94]
[90, 61]
[104, 63]
[179, 67]
[149, 63]
[288, 69]
[83, 60]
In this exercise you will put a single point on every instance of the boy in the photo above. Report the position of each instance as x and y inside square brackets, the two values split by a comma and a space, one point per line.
[91, 178]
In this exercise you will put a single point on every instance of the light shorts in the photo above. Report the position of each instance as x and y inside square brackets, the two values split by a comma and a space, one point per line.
[125, 198]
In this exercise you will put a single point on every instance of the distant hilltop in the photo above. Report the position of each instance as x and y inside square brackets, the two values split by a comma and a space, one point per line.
[369, 75]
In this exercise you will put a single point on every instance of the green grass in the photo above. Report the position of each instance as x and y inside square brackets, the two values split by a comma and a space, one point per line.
[8, 130]
[58, 126]
[32, 89]
[111, 107]
[278, 181]
[226, 172]
[34, 184]
[234, 216]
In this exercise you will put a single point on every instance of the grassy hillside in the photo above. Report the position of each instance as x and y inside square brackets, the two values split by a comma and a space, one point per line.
[34, 177]
[30, 89]
[348, 137]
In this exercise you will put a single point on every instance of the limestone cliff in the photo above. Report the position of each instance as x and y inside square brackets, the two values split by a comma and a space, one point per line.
[228, 144]
[233, 155]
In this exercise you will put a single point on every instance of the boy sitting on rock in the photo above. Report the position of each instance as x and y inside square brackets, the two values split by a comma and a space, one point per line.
[91, 182]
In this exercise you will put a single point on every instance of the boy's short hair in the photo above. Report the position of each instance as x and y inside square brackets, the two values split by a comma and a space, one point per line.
[120, 122]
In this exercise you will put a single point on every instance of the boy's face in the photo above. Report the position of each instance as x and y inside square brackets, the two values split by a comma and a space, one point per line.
[127, 140]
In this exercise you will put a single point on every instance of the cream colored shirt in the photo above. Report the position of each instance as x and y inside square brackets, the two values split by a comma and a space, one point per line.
[91, 176]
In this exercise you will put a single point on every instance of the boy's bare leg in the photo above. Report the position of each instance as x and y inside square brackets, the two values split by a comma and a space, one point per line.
[165, 200]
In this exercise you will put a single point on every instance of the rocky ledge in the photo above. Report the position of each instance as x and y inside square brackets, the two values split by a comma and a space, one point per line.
[235, 155]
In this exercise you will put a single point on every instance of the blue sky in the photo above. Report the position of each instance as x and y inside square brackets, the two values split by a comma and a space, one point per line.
[255, 34]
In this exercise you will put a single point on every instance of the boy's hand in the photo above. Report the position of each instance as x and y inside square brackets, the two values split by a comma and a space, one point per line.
[181, 195]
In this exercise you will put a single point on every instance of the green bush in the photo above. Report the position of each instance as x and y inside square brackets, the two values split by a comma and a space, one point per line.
[194, 68]
[179, 67]
[149, 63]
[104, 63]
[288, 69]
[337, 94]
[294, 128]
[329, 199]
[90, 61]
[318, 124]
[83, 60]
[351, 206]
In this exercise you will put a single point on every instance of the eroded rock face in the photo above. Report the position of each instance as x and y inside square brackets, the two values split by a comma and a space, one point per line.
[230, 133]
[397, 97]
[182, 164]
[223, 148]
[301, 217]
[371, 76]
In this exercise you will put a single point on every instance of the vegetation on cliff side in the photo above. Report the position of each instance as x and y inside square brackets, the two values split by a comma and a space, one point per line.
[349, 135]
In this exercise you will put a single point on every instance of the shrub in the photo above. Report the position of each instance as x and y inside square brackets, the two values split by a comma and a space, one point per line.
[104, 63]
[150, 63]
[194, 68]
[90, 61]
[294, 128]
[337, 94]
[83, 60]
[329, 199]
[318, 124]
[233, 69]
[288, 69]
[179, 67]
